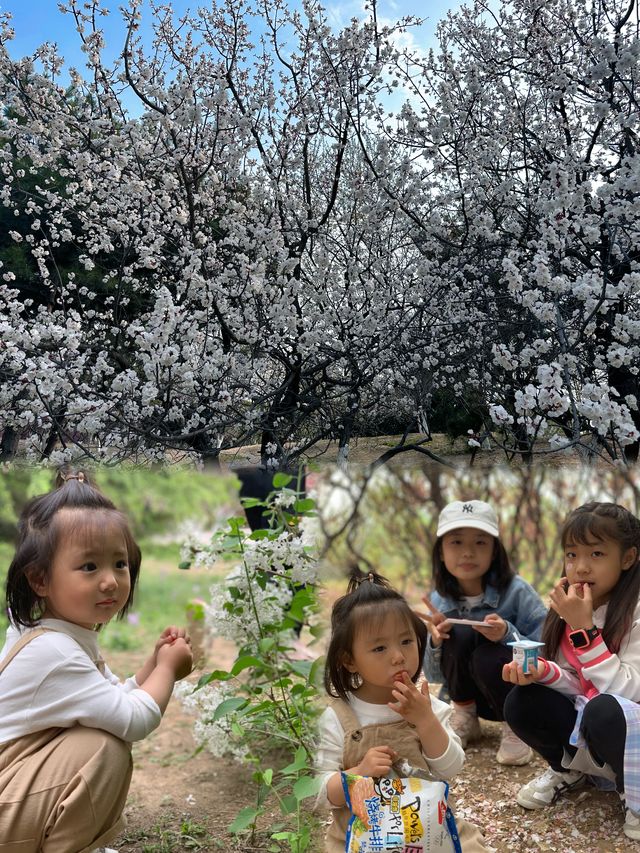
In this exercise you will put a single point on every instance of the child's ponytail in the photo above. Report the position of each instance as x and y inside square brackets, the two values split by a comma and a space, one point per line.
[357, 577]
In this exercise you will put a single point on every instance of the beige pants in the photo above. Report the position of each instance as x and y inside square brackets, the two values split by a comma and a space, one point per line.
[62, 790]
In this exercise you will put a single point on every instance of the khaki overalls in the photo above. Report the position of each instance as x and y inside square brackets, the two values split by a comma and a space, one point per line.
[403, 738]
[61, 790]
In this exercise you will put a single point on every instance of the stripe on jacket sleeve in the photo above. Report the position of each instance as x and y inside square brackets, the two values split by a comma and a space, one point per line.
[551, 674]
[594, 653]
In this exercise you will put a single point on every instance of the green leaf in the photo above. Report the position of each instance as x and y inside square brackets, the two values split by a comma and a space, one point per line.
[306, 786]
[266, 644]
[216, 675]
[288, 804]
[299, 762]
[244, 663]
[262, 706]
[316, 672]
[251, 502]
[299, 603]
[304, 505]
[228, 707]
[186, 564]
[267, 776]
[257, 535]
[244, 819]
[281, 480]
[264, 791]
[302, 667]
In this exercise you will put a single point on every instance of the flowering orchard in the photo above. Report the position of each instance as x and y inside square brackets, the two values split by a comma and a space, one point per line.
[257, 228]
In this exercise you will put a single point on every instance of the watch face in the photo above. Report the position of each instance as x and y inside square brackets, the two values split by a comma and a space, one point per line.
[579, 639]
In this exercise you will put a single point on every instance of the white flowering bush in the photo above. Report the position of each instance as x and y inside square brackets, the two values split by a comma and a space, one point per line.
[262, 710]
[212, 733]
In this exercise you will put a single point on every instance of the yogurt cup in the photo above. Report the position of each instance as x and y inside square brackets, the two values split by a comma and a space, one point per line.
[525, 652]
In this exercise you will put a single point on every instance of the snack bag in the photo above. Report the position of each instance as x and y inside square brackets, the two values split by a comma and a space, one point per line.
[407, 815]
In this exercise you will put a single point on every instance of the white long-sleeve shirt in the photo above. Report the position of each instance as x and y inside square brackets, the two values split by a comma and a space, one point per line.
[54, 681]
[331, 741]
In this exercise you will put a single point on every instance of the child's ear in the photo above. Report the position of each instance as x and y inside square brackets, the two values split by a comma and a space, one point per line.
[629, 558]
[38, 583]
[348, 664]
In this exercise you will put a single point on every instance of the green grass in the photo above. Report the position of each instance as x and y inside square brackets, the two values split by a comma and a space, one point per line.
[169, 834]
[161, 600]
[6, 554]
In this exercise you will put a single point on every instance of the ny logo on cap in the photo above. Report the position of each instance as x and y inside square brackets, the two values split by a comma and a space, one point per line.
[467, 508]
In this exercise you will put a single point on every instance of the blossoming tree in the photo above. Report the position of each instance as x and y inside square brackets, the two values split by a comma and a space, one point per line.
[520, 133]
[270, 246]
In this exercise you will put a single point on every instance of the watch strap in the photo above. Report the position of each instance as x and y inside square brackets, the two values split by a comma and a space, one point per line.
[582, 638]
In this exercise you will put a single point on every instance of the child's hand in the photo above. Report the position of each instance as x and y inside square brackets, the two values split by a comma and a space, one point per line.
[436, 621]
[573, 603]
[495, 630]
[513, 672]
[377, 762]
[169, 635]
[411, 703]
[178, 656]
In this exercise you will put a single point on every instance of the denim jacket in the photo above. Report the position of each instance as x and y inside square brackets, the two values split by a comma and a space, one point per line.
[519, 605]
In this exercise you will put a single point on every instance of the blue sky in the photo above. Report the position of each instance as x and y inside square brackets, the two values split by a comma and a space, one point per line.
[37, 21]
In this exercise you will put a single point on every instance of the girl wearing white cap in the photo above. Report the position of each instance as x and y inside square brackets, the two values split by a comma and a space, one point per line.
[473, 580]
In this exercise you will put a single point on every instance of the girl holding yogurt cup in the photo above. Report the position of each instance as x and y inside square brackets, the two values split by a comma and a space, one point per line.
[579, 707]
[478, 606]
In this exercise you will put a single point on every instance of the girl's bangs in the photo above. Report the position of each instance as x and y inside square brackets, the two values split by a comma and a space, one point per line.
[584, 528]
[372, 616]
[90, 526]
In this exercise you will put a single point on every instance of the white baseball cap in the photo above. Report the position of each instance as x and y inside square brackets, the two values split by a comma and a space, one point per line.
[476, 514]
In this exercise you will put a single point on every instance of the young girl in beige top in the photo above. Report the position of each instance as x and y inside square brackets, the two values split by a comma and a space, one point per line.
[66, 722]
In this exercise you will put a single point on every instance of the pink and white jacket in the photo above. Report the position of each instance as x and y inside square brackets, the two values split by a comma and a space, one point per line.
[596, 669]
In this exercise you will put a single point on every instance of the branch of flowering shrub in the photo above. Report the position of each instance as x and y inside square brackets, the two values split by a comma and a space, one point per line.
[262, 710]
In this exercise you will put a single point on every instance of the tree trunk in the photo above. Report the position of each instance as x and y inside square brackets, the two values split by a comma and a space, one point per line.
[8, 444]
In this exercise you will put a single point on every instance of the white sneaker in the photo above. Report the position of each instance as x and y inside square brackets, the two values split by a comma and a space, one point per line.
[466, 725]
[544, 790]
[631, 827]
[513, 751]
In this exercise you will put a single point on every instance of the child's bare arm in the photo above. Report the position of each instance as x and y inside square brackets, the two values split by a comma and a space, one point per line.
[171, 633]
[174, 661]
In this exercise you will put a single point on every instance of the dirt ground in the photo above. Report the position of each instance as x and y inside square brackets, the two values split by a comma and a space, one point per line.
[456, 452]
[179, 801]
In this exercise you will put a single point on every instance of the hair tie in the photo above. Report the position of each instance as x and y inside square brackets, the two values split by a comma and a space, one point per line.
[79, 477]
